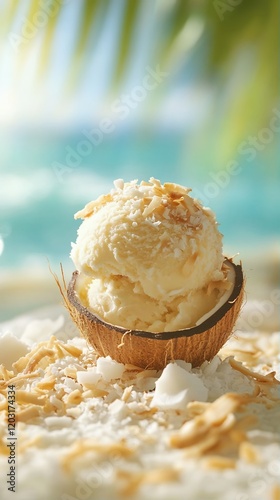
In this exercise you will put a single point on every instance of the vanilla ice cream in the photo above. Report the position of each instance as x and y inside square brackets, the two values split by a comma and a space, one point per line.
[150, 257]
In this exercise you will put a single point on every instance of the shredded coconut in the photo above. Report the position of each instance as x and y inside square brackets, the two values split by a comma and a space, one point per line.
[88, 424]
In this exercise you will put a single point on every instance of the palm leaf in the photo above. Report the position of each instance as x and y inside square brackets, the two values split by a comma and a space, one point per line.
[172, 24]
[251, 23]
[251, 105]
[48, 39]
[32, 10]
[7, 16]
[89, 32]
[130, 15]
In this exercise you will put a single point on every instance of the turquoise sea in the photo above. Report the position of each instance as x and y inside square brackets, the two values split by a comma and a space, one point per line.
[37, 204]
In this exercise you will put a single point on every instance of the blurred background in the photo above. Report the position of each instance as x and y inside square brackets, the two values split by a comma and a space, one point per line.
[94, 90]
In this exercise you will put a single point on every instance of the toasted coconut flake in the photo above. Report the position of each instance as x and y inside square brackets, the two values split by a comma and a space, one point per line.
[267, 393]
[249, 453]
[127, 393]
[93, 206]
[24, 397]
[158, 191]
[71, 372]
[74, 398]
[269, 378]
[49, 408]
[196, 408]
[155, 182]
[154, 204]
[82, 447]
[177, 201]
[29, 443]
[171, 187]
[251, 358]
[147, 412]
[20, 379]
[37, 357]
[5, 374]
[21, 363]
[217, 417]
[237, 435]
[192, 209]
[32, 411]
[275, 492]
[46, 384]
[218, 462]
[3, 405]
[60, 353]
[135, 480]
[95, 392]
[72, 350]
[198, 449]
[146, 373]
[4, 450]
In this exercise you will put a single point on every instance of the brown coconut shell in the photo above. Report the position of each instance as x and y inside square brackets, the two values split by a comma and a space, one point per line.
[155, 350]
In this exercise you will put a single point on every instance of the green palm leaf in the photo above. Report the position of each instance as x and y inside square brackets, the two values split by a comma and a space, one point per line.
[89, 32]
[250, 25]
[127, 31]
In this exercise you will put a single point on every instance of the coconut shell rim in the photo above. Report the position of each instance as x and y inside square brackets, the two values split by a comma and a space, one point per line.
[185, 332]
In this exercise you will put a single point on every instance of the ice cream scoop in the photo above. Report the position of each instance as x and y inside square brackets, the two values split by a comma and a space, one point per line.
[149, 259]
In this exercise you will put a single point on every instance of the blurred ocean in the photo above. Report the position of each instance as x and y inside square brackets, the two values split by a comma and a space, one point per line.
[211, 85]
[37, 205]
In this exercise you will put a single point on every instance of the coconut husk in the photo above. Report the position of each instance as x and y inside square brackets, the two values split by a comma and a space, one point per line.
[156, 350]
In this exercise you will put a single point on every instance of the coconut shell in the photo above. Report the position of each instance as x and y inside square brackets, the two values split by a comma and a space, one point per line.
[155, 350]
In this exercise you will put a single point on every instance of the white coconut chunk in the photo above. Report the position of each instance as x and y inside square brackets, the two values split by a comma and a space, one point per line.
[56, 402]
[209, 368]
[58, 422]
[109, 369]
[40, 330]
[176, 387]
[11, 349]
[88, 378]
[70, 384]
[118, 408]
[119, 184]
[184, 364]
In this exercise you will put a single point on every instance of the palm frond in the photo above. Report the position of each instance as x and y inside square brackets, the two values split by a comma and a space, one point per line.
[250, 25]
[255, 32]
[7, 16]
[48, 40]
[32, 11]
[131, 10]
[90, 27]
[171, 24]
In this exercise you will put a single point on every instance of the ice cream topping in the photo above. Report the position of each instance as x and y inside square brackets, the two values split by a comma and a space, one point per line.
[150, 257]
